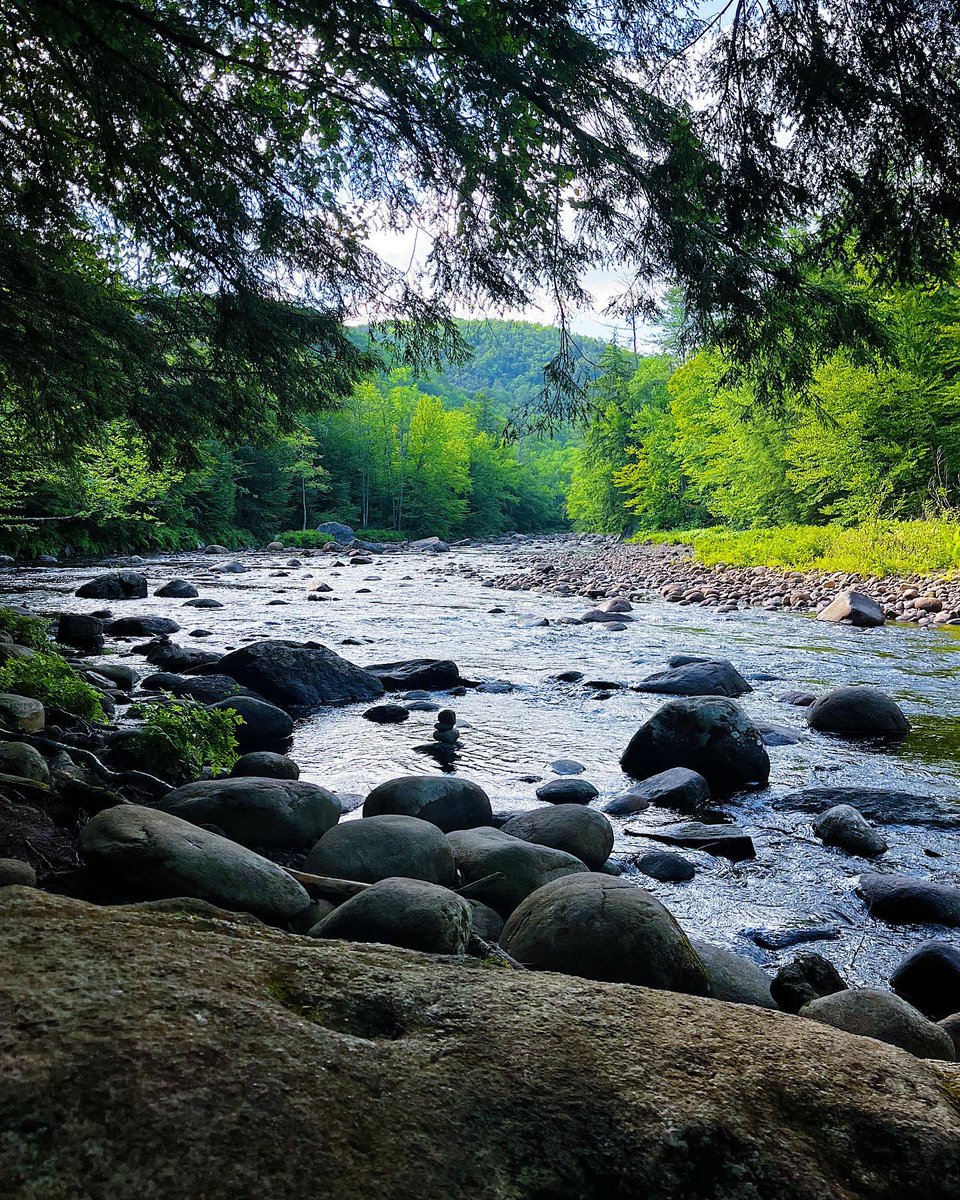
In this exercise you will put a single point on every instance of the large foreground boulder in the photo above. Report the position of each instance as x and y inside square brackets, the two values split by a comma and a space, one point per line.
[384, 847]
[115, 585]
[257, 811]
[299, 677]
[186, 1056]
[509, 867]
[600, 927]
[710, 735]
[445, 800]
[152, 854]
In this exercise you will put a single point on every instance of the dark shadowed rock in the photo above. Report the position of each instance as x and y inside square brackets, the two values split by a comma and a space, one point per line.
[843, 826]
[338, 531]
[142, 627]
[300, 677]
[902, 900]
[599, 927]
[178, 659]
[734, 977]
[203, 602]
[666, 866]
[852, 608]
[264, 727]
[383, 848]
[875, 804]
[410, 913]
[709, 734]
[677, 788]
[860, 711]
[81, 631]
[580, 831]
[179, 589]
[426, 674]
[884, 1016]
[713, 677]
[929, 979]
[115, 585]
[567, 790]
[206, 689]
[265, 764]
[387, 714]
[725, 841]
[446, 801]
[511, 867]
[807, 978]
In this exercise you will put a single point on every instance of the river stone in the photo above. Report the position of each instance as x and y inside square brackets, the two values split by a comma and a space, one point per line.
[156, 854]
[929, 979]
[203, 602]
[20, 714]
[383, 848]
[852, 608]
[300, 677]
[265, 764]
[599, 927]
[872, 1013]
[264, 727]
[338, 531]
[411, 913]
[310, 917]
[14, 872]
[206, 689]
[257, 811]
[115, 585]
[142, 627]
[567, 790]
[861, 711]
[215, 548]
[10, 650]
[677, 788]
[425, 674]
[725, 841]
[875, 804]
[902, 900]
[81, 631]
[179, 589]
[666, 866]
[19, 758]
[807, 978]
[843, 826]
[387, 714]
[517, 867]
[178, 659]
[567, 766]
[580, 831]
[446, 801]
[713, 677]
[707, 734]
[434, 544]
[734, 977]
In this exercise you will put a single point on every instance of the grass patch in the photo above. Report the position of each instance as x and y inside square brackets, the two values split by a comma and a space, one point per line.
[304, 539]
[874, 548]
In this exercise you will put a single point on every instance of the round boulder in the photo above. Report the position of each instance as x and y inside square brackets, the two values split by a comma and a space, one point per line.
[265, 764]
[384, 847]
[600, 927]
[567, 790]
[14, 872]
[844, 827]
[18, 758]
[580, 831]
[179, 589]
[734, 977]
[872, 1013]
[264, 725]
[410, 913]
[666, 866]
[510, 868]
[929, 979]
[387, 714]
[860, 711]
[446, 801]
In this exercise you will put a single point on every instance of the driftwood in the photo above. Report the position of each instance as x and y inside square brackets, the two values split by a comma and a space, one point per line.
[325, 887]
[490, 952]
[137, 779]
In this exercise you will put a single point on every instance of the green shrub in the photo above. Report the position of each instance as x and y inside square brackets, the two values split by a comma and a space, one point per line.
[25, 631]
[196, 737]
[381, 535]
[50, 679]
[305, 539]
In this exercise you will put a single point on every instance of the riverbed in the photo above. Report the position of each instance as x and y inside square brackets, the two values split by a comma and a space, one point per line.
[414, 605]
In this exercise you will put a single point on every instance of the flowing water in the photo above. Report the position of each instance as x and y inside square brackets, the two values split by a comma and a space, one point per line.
[423, 606]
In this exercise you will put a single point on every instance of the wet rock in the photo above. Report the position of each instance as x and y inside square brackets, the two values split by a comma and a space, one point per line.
[410, 913]
[580, 831]
[178, 659]
[206, 689]
[512, 868]
[566, 766]
[568, 676]
[180, 589]
[233, 568]
[157, 854]
[300, 677]
[677, 788]
[666, 866]
[431, 544]
[902, 900]
[387, 714]
[338, 531]
[875, 804]
[384, 847]
[725, 841]
[265, 764]
[19, 758]
[807, 978]
[531, 621]
[884, 1016]
[427, 674]
[853, 608]
[142, 627]
[81, 631]
[20, 714]
[14, 872]
[203, 602]
[734, 977]
[603, 928]
[777, 735]
[115, 585]
[710, 735]
[843, 826]
[567, 790]
[860, 711]
[264, 727]
[215, 548]
[715, 677]
[778, 938]
[447, 802]
[929, 979]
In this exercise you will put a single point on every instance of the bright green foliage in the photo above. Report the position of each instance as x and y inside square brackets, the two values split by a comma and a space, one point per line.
[305, 539]
[192, 736]
[53, 681]
[25, 631]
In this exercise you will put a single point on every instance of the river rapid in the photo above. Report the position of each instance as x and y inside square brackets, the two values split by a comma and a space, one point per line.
[415, 605]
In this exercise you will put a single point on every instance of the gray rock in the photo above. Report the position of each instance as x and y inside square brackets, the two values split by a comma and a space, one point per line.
[902, 900]
[484, 922]
[431, 544]
[264, 727]
[666, 866]
[387, 714]
[14, 872]
[123, 676]
[725, 841]
[861, 711]
[875, 804]
[677, 788]
[206, 689]
[410, 913]
[734, 977]
[20, 714]
[714, 677]
[338, 531]
[852, 608]
[233, 568]
[843, 826]
[115, 585]
[884, 1016]
[215, 548]
[384, 847]
[178, 659]
[929, 979]
[567, 791]
[179, 589]
[299, 677]
[709, 734]
[777, 735]
[423, 674]
[807, 978]
[580, 831]
[604, 928]
[567, 766]
[951, 1027]
[265, 764]
[81, 631]
[511, 867]
[203, 602]
[156, 854]
[257, 811]
[18, 758]
[446, 801]
[305, 921]
[142, 627]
